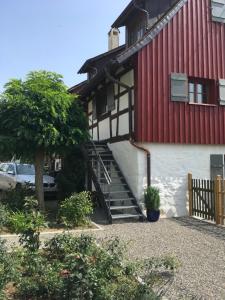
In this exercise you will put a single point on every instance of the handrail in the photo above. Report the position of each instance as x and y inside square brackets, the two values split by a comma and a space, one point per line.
[106, 174]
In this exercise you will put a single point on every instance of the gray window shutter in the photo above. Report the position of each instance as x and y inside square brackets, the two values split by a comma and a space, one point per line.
[222, 91]
[218, 10]
[94, 110]
[110, 97]
[216, 165]
[179, 87]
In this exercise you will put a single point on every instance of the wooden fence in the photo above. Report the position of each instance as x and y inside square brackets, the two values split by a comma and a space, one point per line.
[206, 199]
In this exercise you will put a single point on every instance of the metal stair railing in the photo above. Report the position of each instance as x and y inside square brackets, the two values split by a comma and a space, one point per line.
[101, 169]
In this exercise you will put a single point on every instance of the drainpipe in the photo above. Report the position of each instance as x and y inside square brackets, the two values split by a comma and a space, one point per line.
[148, 160]
[128, 88]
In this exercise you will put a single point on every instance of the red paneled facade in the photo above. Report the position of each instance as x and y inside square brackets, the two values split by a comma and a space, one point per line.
[193, 44]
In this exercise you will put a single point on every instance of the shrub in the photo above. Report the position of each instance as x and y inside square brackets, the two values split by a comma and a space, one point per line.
[75, 210]
[71, 178]
[7, 268]
[152, 198]
[40, 279]
[4, 216]
[27, 224]
[15, 198]
[78, 268]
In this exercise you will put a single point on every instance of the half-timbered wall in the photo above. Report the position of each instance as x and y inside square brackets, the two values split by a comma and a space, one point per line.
[192, 44]
[113, 124]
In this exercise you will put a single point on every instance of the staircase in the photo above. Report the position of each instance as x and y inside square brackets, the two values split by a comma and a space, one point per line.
[115, 195]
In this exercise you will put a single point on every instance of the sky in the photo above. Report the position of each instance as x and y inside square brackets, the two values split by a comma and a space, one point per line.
[53, 35]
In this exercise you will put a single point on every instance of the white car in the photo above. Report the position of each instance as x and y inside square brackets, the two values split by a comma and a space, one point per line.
[13, 174]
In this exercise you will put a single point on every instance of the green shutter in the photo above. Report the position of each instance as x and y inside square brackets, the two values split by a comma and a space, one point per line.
[218, 10]
[179, 87]
[222, 91]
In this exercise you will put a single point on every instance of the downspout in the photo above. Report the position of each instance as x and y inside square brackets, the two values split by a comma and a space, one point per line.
[132, 142]
[148, 160]
[128, 88]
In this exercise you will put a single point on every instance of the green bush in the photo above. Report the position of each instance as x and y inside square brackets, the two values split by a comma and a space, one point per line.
[27, 224]
[7, 268]
[152, 198]
[75, 210]
[4, 216]
[39, 279]
[15, 198]
[71, 179]
[79, 268]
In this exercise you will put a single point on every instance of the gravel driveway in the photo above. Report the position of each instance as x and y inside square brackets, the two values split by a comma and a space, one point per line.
[199, 246]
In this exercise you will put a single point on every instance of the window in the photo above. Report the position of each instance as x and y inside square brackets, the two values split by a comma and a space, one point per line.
[216, 165]
[198, 92]
[110, 97]
[4, 167]
[218, 10]
[11, 169]
[101, 102]
[195, 90]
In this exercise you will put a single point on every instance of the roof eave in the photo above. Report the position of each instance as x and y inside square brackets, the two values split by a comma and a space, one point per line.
[151, 34]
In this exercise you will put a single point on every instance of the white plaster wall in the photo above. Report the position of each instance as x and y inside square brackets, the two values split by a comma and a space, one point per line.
[170, 165]
[128, 79]
[124, 124]
[90, 107]
[104, 129]
[131, 162]
[95, 134]
[114, 122]
[124, 102]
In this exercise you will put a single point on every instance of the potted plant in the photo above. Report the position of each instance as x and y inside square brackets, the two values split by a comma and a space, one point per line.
[152, 203]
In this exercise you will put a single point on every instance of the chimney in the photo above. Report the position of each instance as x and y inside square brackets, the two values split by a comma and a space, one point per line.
[114, 38]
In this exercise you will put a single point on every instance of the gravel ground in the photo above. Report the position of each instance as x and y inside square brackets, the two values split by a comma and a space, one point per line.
[199, 246]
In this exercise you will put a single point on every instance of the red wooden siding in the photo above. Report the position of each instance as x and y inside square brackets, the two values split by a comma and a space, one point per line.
[191, 43]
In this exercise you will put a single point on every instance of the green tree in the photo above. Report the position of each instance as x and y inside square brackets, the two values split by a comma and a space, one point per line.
[38, 117]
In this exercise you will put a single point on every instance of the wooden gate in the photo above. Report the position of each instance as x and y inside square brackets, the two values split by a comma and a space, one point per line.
[206, 199]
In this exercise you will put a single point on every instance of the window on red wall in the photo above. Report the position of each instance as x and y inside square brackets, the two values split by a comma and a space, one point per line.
[201, 91]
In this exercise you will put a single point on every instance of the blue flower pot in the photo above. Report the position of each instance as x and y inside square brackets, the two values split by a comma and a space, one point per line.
[153, 215]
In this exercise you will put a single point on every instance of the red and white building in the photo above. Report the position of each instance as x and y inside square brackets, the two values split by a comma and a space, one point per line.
[159, 100]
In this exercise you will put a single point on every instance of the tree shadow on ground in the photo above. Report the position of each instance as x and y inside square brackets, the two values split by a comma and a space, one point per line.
[202, 226]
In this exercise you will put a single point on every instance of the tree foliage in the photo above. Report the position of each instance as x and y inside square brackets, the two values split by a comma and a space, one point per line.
[39, 116]
[39, 112]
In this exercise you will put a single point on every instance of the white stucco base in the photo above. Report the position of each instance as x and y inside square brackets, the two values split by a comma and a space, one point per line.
[170, 165]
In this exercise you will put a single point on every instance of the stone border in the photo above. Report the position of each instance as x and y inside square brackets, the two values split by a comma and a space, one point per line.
[99, 228]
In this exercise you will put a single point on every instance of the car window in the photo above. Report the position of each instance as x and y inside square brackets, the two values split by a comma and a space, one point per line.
[10, 168]
[4, 167]
[25, 169]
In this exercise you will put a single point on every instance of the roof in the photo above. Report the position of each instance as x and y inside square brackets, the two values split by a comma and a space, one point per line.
[121, 54]
[152, 33]
[78, 87]
[120, 21]
[99, 60]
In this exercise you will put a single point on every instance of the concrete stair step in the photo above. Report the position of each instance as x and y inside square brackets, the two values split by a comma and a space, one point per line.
[122, 207]
[125, 216]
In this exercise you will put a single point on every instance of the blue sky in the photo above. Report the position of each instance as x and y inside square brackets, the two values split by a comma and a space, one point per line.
[54, 35]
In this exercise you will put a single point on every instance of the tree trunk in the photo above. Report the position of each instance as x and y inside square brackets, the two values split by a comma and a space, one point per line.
[39, 171]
